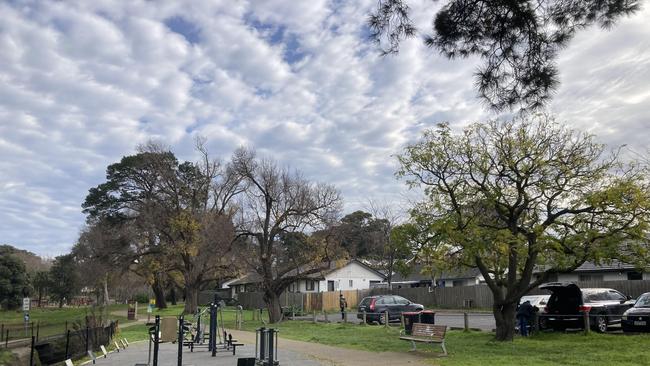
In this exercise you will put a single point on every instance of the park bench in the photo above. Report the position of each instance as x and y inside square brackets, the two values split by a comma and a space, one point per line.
[427, 333]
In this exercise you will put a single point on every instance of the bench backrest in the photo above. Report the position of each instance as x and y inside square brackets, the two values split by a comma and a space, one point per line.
[436, 332]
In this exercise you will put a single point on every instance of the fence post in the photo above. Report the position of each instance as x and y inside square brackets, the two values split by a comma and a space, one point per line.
[401, 320]
[466, 321]
[387, 319]
[32, 331]
[180, 341]
[345, 316]
[67, 343]
[325, 314]
[155, 341]
[313, 316]
[38, 328]
[7, 338]
[585, 317]
[536, 321]
[31, 352]
[87, 336]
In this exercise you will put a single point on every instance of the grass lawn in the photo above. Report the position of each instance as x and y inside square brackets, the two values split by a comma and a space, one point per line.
[50, 320]
[478, 348]
[466, 349]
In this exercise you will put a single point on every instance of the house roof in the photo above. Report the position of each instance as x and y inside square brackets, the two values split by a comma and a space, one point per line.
[614, 266]
[333, 266]
[416, 275]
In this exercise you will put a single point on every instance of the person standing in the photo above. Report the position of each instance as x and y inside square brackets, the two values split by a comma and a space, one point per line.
[524, 315]
[343, 304]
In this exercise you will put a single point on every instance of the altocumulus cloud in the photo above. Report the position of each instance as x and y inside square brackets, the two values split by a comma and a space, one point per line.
[81, 84]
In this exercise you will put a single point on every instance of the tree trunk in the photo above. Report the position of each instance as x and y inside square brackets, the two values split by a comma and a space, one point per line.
[106, 300]
[60, 303]
[504, 316]
[172, 294]
[159, 293]
[40, 298]
[192, 299]
[273, 303]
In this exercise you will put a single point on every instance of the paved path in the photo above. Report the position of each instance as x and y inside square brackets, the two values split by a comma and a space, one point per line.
[290, 353]
[137, 353]
[329, 355]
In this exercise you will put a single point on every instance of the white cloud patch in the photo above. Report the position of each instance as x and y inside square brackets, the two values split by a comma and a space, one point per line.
[82, 83]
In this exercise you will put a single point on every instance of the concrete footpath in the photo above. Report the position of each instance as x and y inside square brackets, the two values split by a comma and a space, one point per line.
[290, 353]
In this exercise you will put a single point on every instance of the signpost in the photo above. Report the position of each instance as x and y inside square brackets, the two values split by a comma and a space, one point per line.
[26, 304]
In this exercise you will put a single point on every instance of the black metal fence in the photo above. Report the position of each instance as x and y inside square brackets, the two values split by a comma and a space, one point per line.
[74, 343]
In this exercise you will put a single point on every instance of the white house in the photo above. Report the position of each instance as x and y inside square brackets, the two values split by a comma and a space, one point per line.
[349, 275]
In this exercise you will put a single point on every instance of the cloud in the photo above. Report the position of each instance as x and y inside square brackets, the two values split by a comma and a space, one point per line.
[82, 83]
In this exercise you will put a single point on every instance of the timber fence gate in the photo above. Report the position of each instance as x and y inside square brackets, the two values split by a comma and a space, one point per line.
[478, 296]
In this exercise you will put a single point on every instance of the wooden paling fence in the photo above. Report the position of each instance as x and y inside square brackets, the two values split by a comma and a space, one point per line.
[478, 296]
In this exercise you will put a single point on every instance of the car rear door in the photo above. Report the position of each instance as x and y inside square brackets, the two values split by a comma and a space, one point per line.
[618, 304]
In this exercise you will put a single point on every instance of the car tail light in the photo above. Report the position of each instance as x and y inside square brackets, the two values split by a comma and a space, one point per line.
[584, 308]
[372, 305]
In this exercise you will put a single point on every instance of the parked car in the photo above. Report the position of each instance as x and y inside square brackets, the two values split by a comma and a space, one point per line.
[637, 318]
[538, 301]
[568, 303]
[376, 306]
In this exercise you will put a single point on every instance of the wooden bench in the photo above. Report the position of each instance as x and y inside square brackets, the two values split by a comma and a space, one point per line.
[427, 333]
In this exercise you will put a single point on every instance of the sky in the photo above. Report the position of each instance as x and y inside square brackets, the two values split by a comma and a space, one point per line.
[83, 83]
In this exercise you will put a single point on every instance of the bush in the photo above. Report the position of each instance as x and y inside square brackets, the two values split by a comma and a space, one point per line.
[142, 298]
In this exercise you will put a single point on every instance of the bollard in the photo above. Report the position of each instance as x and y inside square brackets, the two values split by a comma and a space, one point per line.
[345, 316]
[401, 321]
[313, 316]
[7, 338]
[536, 322]
[387, 318]
[365, 318]
[38, 328]
[180, 341]
[466, 321]
[155, 340]
[585, 318]
[2, 331]
[325, 314]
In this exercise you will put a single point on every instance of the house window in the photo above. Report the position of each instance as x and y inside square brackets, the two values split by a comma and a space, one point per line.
[351, 283]
[309, 285]
[374, 283]
[590, 277]
[633, 276]
[456, 283]
[330, 285]
[292, 287]
[237, 289]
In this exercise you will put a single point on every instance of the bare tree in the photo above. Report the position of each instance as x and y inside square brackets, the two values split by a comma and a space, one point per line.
[278, 207]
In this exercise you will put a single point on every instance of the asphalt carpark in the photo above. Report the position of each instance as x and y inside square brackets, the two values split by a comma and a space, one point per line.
[477, 321]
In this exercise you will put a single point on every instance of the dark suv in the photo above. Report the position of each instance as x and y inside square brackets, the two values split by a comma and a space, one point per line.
[376, 306]
[568, 303]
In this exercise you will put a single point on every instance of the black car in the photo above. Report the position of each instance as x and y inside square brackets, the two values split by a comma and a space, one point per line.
[376, 306]
[568, 303]
[637, 318]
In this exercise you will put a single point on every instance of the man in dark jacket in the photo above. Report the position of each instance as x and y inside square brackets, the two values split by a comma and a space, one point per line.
[524, 315]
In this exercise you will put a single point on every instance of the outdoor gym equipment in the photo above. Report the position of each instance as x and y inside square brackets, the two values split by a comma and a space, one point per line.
[266, 342]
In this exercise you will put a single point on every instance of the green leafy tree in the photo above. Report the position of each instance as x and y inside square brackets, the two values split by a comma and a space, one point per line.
[14, 283]
[511, 197]
[518, 41]
[64, 279]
